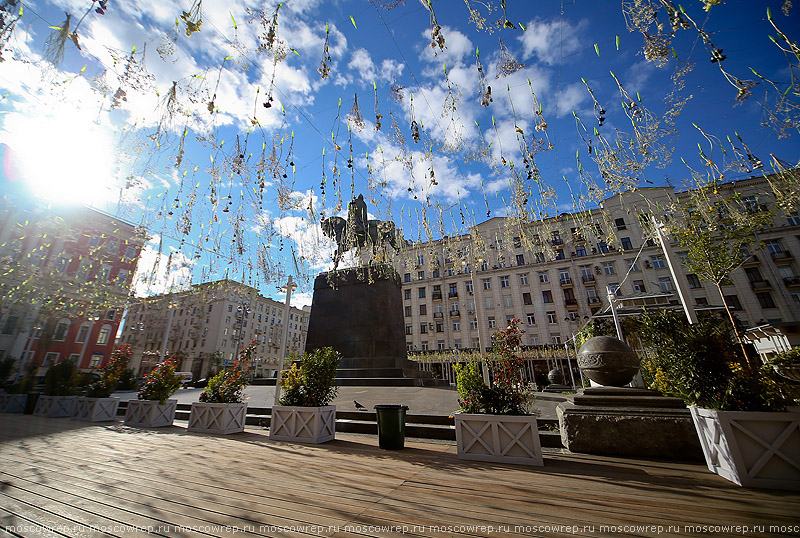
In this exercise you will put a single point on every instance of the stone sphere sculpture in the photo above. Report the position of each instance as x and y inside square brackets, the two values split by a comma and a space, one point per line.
[555, 376]
[608, 361]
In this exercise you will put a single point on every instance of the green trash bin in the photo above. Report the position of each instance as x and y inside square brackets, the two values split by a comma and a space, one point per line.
[391, 426]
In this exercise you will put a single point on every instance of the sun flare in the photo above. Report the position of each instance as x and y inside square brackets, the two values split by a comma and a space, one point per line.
[63, 158]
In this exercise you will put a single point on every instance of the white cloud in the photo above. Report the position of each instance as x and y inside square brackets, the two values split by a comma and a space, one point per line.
[457, 47]
[550, 40]
[368, 72]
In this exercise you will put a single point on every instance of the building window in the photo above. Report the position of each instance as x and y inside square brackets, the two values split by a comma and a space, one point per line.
[423, 310]
[520, 259]
[488, 302]
[408, 311]
[753, 274]
[453, 290]
[468, 285]
[793, 218]
[423, 328]
[440, 344]
[74, 358]
[60, 334]
[563, 275]
[551, 317]
[620, 224]
[408, 328]
[638, 286]
[556, 339]
[765, 300]
[560, 254]
[507, 301]
[439, 326]
[626, 243]
[407, 294]
[420, 259]
[658, 261]
[608, 268]
[504, 282]
[665, 283]
[517, 242]
[421, 293]
[543, 278]
[95, 360]
[484, 265]
[613, 287]
[632, 264]
[487, 283]
[50, 359]
[436, 273]
[83, 333]
[492, 324]
[456, 326]
[457, 343]
[420, 275]
[526, 299]
[407, 277]
[580, 251]
[774, 247]
[424, 346]
[531, 318]
[523, 279]
[694, 282]
[602, 247]
[547, 296]
[702, 301]
[539, 257]
[473, 323]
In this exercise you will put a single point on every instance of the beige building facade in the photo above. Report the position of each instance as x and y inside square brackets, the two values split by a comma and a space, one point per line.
[209, 324]
[554, 275]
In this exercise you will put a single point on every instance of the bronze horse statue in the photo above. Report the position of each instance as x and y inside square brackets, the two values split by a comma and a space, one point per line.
[359, 231]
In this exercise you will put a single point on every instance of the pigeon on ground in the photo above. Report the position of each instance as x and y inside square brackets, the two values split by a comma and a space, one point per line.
[358, 405]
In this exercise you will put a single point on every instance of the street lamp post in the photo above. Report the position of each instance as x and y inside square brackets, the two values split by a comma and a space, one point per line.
[171, 308]
[28, 346]
[91, 320]
[288, 288]
[243, 312]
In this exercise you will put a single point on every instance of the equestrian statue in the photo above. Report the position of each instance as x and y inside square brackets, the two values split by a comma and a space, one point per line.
[359, 231]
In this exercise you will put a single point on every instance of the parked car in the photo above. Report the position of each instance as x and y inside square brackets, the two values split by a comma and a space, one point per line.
[186, 378]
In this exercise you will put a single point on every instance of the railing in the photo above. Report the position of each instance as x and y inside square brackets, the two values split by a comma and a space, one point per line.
[760, 284]
[588, 278]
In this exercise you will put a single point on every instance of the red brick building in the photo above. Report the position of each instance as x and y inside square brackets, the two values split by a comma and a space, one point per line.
[65, 276]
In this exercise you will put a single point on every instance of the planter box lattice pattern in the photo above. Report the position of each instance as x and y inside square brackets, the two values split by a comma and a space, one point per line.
[752, 449]
[55, 406]
[303, 424]
[150, 414]
[498, 439]
[220, 418]
[96, 409]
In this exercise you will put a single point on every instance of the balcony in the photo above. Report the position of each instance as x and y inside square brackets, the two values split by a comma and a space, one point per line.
[437, 295]
[782, 255]
[792, 281]
[594, 299]
[452, 295]
[566, 281]
[760, 284]
[588, 279]
[752, 260]
[438, 315]
[572, 304]
[557, 241]
[455, 314]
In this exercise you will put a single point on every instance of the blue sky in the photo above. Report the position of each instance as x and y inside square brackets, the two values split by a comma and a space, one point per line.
[175, 134]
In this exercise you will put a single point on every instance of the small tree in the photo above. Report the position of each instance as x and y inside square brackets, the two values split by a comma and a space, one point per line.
[715, 232]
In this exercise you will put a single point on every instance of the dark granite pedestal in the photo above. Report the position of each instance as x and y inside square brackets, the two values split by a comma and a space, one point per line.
[624, 421]
[359, 313]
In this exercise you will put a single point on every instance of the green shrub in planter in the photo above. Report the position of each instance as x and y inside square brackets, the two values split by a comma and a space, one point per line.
[161, 383]
[313, 383]
[61, 379]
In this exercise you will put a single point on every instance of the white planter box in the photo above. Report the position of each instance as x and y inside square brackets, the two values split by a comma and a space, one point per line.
[498, 438]
[752, 449]
[15, 403]
[150, 414]
[55, 406]
[220, 418]
[303, 424]
[96, 409]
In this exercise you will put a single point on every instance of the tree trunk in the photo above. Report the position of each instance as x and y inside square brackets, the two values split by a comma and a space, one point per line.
[746, 359]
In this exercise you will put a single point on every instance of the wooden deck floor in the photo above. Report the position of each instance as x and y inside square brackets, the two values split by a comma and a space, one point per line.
[63, 478]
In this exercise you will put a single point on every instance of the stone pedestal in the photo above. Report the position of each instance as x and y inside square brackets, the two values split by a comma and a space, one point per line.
[619, 421]
[359, 313]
